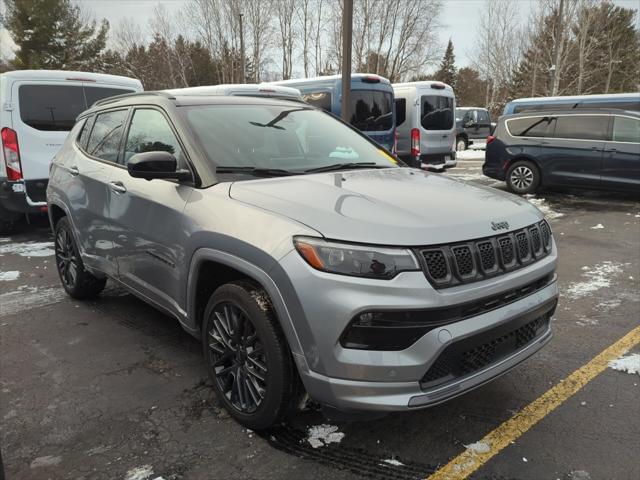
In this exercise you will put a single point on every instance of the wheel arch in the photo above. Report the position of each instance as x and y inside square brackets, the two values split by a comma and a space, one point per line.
[528, 158]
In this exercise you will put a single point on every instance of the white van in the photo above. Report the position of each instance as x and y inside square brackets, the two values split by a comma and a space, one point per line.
[37, 110]
[425, 124]
[244, 90]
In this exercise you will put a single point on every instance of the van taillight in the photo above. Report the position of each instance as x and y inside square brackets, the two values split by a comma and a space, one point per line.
[11, 154]
[415, 143]
[490, 139]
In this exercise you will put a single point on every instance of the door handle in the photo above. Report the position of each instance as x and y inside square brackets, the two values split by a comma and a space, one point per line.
[118, 187]
[73, 170]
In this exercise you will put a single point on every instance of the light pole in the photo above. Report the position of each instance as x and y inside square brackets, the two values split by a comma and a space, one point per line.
[347, 23]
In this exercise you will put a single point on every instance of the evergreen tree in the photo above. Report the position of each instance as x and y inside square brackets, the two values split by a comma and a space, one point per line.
[447, 72]
[54, 34]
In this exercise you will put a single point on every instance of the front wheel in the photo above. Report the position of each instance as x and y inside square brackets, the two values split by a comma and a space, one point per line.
[461, 144]
[247, 356]
[523, 177]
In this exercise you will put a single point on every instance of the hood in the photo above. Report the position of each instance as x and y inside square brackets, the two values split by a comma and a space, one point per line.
[395, 206]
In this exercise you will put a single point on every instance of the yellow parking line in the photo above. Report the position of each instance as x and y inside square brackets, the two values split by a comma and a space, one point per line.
[470, 460]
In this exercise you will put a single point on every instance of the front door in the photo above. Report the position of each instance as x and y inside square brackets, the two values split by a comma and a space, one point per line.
[621, 167]
[147, 215]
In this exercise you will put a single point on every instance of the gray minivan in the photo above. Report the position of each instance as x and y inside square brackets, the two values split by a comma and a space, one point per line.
[425, 124]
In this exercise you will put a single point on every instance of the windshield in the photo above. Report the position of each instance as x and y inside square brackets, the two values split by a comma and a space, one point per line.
[371, 110]
[290, 138]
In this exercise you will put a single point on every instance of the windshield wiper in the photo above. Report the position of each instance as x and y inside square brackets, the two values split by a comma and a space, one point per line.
[345, 166]
[258, 172]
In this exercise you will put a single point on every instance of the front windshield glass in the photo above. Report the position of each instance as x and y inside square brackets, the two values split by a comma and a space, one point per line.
[279, 137]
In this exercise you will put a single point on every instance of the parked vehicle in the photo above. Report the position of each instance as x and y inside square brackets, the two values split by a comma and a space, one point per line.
[244, 90]
[425, 124]
[622, 101]
[300, 253]
[371, 102]
[597, 148]
[472, 124]
[38, 108]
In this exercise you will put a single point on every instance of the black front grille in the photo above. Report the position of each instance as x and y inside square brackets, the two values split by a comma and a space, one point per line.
[451, 265]
[466, 358]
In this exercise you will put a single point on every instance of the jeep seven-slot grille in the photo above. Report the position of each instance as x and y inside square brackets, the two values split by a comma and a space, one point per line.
[466, 262]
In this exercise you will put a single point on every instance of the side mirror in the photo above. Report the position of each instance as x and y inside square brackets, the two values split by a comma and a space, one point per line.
[150, 165]
[470, 124]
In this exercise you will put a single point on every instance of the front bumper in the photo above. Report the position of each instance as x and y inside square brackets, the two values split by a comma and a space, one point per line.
[355, 380]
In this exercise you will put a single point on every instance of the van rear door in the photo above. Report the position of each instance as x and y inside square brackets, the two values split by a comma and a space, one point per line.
[437, 124]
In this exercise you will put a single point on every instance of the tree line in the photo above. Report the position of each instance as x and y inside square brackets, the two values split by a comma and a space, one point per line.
[564, 47]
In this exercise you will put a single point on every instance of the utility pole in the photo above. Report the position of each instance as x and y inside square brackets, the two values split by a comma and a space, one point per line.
[347, 24]
[242, 60]
[557, 51]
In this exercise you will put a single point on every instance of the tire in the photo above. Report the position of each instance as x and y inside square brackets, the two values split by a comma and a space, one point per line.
[523, 177]
[257, 383]
[75, 279]
[461, 144]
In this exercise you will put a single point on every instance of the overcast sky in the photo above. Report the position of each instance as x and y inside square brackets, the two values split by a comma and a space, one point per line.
[458, 19]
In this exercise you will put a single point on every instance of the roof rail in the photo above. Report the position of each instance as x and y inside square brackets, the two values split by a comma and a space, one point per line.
[115, 98]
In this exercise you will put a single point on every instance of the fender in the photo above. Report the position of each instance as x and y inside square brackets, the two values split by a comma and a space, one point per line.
[252, 271]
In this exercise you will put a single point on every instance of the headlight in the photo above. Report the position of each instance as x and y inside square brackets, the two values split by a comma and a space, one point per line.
[355, 260]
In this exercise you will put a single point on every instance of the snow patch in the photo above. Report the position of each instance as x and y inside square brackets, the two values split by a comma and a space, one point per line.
[26, 298]
[627, 363]
[139, 473]
[478, 447]
[467, 176]
[46, 461]
[9, 276]
[322, 435]
[597, 227]
[28, 249]
[542, 205]
[599, 276]
[470, 155]
[393, 461]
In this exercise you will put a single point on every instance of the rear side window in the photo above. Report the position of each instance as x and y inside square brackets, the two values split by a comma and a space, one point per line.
[582, 127]
[483, 116]
[84, 134]
[318, 99]
[150, 132]
[104, 141]
[401, 111]
[51, 107]
[99, 93]
[437, 112]
[540, 107]
[371, 111]
[528, 127]
[626, 129]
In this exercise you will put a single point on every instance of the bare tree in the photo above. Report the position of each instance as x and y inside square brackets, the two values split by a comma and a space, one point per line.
[285, 10]
[259, 30]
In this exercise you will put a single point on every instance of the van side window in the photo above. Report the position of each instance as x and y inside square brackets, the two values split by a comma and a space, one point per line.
[401, 111]
[150, 132]
[528, 127]
[582, 127]
[626, 129]
[437, 112]
[94, 94]
[104, 141]
[84, 133]
[318, 99]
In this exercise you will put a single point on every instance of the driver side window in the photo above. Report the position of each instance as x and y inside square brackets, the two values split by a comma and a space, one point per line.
[150, 132]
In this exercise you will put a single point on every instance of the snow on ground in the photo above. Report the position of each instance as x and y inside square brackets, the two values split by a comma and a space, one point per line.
[543, 206]
[393, 461]
[478, 447]
[627, 363]
[598, 276]
[470, 155]
[139, 473]
[322, 435]
[46, 461]
[25, 298]
[597, 227]
[28, 249]
[9, 276]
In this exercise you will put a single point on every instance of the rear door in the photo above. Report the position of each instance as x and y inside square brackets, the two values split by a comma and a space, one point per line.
[575, 153]
[484, 124]
[621, 167]
[146, 216]
[436, 122]
[372, 113]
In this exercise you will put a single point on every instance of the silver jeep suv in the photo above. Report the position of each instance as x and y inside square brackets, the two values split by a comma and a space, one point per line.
[302, 254]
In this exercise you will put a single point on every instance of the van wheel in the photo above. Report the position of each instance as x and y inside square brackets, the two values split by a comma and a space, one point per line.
[77, 281]
[523, 177]
[247, 356]
[461, 144]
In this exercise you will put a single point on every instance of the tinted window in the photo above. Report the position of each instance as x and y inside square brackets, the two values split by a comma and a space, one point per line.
[150, 132]
[401, 111]
[51, 107]
[528, 127]
[437, 112]
[371, 110]
[543, 107]
[483, 116]
[582, 127]
[626, 129]
[104, 141]
[318, 99]
[98, 93]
